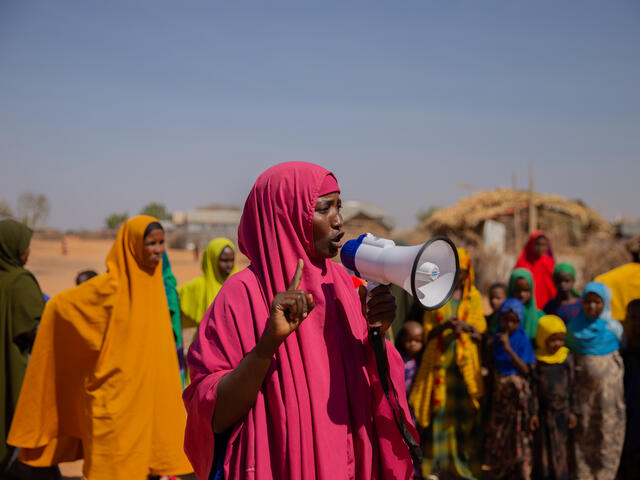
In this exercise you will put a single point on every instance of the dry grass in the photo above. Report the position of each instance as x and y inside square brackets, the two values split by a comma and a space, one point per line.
[471, 211]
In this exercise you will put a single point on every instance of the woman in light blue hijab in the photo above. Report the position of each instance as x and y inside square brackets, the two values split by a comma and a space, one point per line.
[594, 338]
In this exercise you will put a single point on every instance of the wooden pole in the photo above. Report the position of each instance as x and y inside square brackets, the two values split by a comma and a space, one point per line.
[517, 236]
[533, 217]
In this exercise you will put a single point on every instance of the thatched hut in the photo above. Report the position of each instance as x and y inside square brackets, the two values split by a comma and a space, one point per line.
[568, 223]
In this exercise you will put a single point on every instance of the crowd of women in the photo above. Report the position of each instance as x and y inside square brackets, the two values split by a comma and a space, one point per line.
[281, 380]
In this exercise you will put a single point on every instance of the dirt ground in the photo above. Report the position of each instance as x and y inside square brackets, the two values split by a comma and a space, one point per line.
[57, 272]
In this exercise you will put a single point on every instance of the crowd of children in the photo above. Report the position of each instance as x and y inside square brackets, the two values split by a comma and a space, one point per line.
[544, 387]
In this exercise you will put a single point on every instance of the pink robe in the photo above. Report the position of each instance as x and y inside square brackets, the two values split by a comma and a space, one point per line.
[321, 412]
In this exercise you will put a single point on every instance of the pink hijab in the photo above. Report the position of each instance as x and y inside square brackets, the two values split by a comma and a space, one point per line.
[321, 412]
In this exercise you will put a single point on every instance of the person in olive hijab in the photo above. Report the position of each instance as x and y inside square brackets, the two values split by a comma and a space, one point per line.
[21, 305]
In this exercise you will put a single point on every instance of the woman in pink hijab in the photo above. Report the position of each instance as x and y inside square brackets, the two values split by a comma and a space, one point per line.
[283, 380]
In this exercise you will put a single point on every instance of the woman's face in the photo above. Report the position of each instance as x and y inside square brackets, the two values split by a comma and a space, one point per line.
[522, 290]
[25, 256]
[226, 261]
[554, 342]
[592, 305]
[327, 226]
[509, 322]
[152, 249]
[563, 281]
[462, 276]
[540, 246]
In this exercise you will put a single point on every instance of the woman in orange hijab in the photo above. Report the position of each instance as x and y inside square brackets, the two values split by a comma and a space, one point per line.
[103, 382]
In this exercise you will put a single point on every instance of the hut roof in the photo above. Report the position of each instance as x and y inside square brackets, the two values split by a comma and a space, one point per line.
[471, 211]
[355, 208]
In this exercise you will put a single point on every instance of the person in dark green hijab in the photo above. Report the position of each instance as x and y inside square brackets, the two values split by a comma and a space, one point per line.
[567, 302]
[21, 306]
[170, 284]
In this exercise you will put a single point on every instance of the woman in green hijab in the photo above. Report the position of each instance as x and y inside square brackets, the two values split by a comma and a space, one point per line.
[21, 306]
[521, 286]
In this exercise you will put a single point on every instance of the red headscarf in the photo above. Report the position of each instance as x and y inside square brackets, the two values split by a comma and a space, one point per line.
[321, 412]
[541, 268]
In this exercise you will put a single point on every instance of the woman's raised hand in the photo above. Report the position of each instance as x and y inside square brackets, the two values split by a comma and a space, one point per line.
[289, 308]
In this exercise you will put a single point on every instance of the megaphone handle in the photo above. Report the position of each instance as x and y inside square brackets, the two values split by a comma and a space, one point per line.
[381, 362]
[370, 286]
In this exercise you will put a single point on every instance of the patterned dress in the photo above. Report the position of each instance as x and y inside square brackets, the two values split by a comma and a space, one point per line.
[599, 435]
[453, 438]
[508, 444]
[554, 387]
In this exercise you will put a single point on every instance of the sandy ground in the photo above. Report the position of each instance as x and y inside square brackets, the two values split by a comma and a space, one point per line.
[57, 272]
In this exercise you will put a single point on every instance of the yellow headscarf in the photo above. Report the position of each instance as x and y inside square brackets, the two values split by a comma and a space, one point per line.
[429, 388]
[547, 326]
[198, 294]
[103, 381]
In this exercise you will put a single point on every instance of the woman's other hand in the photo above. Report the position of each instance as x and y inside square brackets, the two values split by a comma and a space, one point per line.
[378, 306]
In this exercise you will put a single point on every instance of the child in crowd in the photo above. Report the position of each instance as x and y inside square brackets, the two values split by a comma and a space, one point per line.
[554, 376]
[508, 443]
[521, 287]
[631, 356]
[566, 304]
[594, 339]
[409, 343]
[85, 275]
[497, 295]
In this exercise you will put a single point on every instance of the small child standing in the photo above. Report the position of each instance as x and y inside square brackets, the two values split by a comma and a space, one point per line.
[508, 446]
[409, 343]
[554, 376]
[521, 287]
[497, 295]
[631, 356]
[566, 304]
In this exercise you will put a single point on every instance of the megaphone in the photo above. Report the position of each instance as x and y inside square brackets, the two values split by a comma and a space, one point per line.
[428, 271]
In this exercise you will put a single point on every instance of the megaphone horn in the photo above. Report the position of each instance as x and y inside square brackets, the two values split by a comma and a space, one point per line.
[428, 271]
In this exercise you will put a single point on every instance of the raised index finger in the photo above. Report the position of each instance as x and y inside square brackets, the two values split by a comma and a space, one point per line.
[297, 277]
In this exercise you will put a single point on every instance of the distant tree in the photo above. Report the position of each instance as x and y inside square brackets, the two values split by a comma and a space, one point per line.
[33, 209]
[114, 220]
[5, 209]
[157, 210]
[425, 213]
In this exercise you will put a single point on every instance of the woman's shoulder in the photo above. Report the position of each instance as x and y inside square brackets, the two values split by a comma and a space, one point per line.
[240, 281]
[240, 290]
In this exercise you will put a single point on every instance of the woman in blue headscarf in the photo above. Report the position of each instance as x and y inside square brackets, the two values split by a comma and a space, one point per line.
[594, 338]
[508, 442]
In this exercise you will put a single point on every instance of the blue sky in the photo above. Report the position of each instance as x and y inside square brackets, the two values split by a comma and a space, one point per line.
[106, 106]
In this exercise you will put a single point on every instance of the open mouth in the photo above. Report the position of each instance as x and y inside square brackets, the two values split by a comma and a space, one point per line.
[336, 242]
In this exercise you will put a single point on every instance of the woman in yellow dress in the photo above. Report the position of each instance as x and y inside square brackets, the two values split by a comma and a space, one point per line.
[103, 382]
[448, 385]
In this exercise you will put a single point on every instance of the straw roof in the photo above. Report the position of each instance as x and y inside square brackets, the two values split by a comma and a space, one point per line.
[472, 211]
